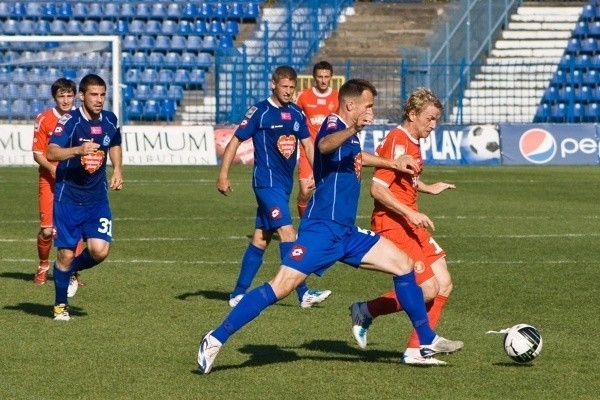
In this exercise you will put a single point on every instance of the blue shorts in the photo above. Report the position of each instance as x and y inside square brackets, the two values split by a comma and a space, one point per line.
[74, 222]
[321, 244]
[273, 209]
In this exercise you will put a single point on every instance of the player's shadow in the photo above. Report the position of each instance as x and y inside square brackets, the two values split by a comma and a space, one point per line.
[343, 348]
[512, 365]
[42, 310]
[207, 294]
[20, 276]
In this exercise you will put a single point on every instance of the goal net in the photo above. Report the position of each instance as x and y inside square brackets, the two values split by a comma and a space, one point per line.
[30, 64]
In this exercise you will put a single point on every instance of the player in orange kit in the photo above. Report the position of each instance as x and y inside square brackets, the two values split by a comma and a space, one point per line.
[63, 92]
[317, 102]
[396, 216]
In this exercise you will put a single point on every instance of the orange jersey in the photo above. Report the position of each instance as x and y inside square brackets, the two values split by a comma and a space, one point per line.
[403, 186]
[317, 106]
[45, 123]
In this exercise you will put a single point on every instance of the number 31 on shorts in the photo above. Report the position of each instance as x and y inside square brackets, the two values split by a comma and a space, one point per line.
[105, 226]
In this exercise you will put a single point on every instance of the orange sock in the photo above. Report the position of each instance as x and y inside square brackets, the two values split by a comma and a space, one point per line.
[384, 304]
[44, 246]
[301, 208]
[79, 248]
[434, 313]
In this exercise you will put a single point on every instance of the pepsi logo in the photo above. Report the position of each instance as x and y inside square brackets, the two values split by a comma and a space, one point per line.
[538, 146]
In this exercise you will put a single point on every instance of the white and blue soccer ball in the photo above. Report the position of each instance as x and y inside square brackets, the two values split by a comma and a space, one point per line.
[523, 343]
[481, 143]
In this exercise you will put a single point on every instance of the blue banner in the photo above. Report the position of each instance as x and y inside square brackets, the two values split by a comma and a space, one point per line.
[549, 144]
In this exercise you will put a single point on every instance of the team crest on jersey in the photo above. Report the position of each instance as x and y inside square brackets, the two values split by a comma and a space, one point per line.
[63, 120]
[296, 126]
[251, 111]
[286, 144]
[399, 150]
[286, 116]
[331, 121]
[419, 267]
[298, 252]
[93, 161]
[275, 213]
[106, 141]
[358, 165]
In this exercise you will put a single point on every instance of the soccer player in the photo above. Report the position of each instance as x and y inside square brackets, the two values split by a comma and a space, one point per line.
[80, 142]
[63, 92]
[275, 126]
[396, 216]
[317, 102]
[328, 233]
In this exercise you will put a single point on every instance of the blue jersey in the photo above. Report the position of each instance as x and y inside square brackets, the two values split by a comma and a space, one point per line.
[82, 179]
[337, 177]
[275, 132]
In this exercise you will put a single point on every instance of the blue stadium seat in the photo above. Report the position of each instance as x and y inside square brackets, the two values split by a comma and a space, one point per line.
[65, 11]
[90, 27]
[29, 91]
[575, 78]
[80, 11]
[206, 11]
[169, 27]
[143, 10]
[215, 27]
[13, 91]
[73, 27]
[582, 62]
[200, 27]
[178, 43]
[592, 112]
[146, 43]
[10, 27]
[112, 10]
[126, 58]
[252, 11]
[51, 75]
[204, 60]
[576, 113]
[20, 109]
[232, 28]
[583, 94]
[226, 42]
[27, 27]
[190, 11]
[221, 11]
[134, 109]
[573, 46]
[149, 76]
[153, 27]
[551, 95]
[106, 27]
[49, 10]
[19, 10]
[581, 29]
[96, 12]
[158, 11]
[151, 109]
[236, 11]
[143, 92]
[172, 59]
[594, 29]
[36, 75]
[193, 43]
[165, 76]
[127, 93]
[558, 112]
[591, 77]
[132, 76]
[128, 10]
[4, 108]
[589, 45]
[559, 78]
[566, 95]
[174, 11]
[188, 59]
[184, 27]
[182, 77]
[139, 59]
[175, 92]
[4, 10]
[37, 106]
[129, 43]
[162, 43]
[543, 113]
[33, 10]
[159, 92]
[155, 58]
[197, 77]
[589, 12]
[209, 43]
[137, 27]
[122, 27]
[595, 61]
[168, 109]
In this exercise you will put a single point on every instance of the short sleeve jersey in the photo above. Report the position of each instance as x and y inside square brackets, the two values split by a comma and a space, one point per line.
[403, 186]
[275, 132]
[45, 123]
[337, 177]
[82, 179]
[317, 106]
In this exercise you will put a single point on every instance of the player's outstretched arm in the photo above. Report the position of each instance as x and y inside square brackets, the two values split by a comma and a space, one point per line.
[223, 184]
[435, 188]
[405, 163]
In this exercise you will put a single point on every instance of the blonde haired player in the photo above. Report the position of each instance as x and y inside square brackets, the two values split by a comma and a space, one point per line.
[396, 217]
[316, 102]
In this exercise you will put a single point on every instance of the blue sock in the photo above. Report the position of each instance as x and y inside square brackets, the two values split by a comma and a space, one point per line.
[61, 284]
[284, 248]
[246, 310]
[410, 296]
[83, 261]
[251, 262]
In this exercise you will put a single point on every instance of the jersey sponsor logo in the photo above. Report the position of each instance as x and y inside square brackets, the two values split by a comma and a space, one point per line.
[399, 150]
[276, 126]
[63, 119]
[298, 252]
[286, 116]
[251, 111]
[93, 161]
[286, 144]
[96, 130]
[275, 213]
[358, 165]
[321, 102]
[419, 267]
[244, 122]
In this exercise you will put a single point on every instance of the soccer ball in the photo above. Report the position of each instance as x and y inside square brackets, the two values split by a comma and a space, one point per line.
[482, 142]
[523, 343]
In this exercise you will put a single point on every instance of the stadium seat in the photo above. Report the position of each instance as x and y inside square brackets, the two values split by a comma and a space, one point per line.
[184, 27]
[37, 106]
[592, 112]
[19, 10]
[128, 10]
[49, 10]
[190, 11]
[74, 27]
[58, 27]
[80, 11]
[90, 27]
[149, 76]
[143, 10]
[566, 95]
[122, 27]
[581, 29]
[551, 95]
[168, 109]
[175, 92]
[174, 11]
[33, 10]
[575, 78]
[169, 27]
[112, 10]
[10, 27]
[5, 108]
[153, 27]
[567, 62]
[594, 29]
[558, 112]
[197, 77]
[583, 94]
[129, 43]
[29, 91]
[543, 113]
[252, 11]
[172, 59]
[215, 27]
[591, 77]
[200, 27]
[52, 74]
[232, 28]
[589, 45]
[178, 43]
[5, 11]
[133, 109]
[158, 11]
[582, 62]
[12, 91]
[127, 93]
[193, 43]
[209, 43]
[96, 12]
[132, 76]
[137, 27]
[138, 59]
[155, 58]
[573, 46]
[165, 76]
[182, 77]
[188, 59]
[20, 109]
[236, 11]
[159, 92]
[589, 12]
[143, 92]
[226, 42]
[162, 43]
[206, 11]
[36, 75]
[576, 113]
[106, 27]
[204, 60]
[146, 43]
[151, 109]
[221, 11]
[27, 27]
[559, 78]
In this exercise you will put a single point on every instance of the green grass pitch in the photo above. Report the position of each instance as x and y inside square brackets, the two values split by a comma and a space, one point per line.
[523, 247]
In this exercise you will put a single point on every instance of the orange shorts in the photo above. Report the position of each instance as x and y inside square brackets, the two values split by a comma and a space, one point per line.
[304, 169]
[420, 246]
[45, 200]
